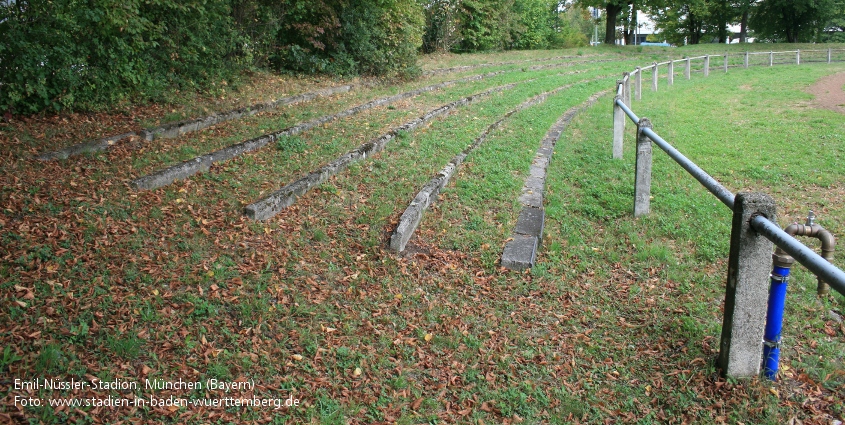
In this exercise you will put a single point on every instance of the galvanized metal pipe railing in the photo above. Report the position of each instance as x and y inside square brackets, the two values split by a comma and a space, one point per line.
[740, 346]
[706, 180]
[831, 274]
[804, 255]
[628, 112]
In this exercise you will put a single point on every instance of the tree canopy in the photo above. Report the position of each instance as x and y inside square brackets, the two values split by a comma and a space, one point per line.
[698, 21]
[87, 54]
[59, 54]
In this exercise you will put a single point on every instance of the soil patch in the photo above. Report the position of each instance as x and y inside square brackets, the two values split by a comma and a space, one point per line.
[829, 93]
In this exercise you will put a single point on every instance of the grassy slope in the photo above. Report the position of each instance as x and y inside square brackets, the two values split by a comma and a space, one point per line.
[620, 319]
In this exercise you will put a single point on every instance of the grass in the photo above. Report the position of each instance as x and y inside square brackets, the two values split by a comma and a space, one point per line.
[618, 321]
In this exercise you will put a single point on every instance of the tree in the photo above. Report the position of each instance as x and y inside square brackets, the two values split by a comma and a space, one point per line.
[611, 8]
[536, 21]
[441, 25]
[347, 37]
[486, 24]
[680, 21]
[834, 30]
[791, 20]
[630, 24]
[743, 10]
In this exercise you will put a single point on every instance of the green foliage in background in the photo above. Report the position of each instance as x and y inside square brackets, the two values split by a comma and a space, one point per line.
[350, 37]
[72, 54]
[793, 21]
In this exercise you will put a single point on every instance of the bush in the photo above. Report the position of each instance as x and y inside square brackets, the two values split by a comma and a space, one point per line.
[60, 54]
[350, 37]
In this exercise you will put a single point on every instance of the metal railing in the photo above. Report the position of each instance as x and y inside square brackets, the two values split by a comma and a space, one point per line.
[752, 234]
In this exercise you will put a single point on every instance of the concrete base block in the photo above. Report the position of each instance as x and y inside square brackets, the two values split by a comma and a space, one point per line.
[532, 198]
[520, 253]
[88, 147]
[531, 222]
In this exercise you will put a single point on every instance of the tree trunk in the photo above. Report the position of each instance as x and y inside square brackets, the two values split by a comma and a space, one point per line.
[723, 22]
[743, 26]
[610, 28]
[630, 38]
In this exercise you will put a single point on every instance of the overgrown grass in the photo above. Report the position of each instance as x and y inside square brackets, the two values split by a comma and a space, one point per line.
[619, 320]
[744, 128]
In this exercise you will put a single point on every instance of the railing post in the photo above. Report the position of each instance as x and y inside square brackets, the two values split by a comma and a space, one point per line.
[618, 125]
[746, 59]
[639, 84]
[798, 56]
[642, 178]
[828, 55]
[671, 73]
[654, 76]
[746, 294]
[626, 91]
[706, 65]
[726, 63]
[771, 58]
[687, 69]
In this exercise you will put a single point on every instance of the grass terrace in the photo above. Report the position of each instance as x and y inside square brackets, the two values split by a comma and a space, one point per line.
[619, 321]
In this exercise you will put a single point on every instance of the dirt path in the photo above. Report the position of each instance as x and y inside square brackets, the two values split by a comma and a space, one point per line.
[829, 92]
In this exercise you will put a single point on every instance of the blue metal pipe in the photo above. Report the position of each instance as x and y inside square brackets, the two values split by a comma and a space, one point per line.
[774, 321]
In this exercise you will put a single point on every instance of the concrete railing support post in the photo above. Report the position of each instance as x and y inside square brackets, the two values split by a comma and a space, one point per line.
[707, 65]
[654, 77]
[618, 127]
[626, 91]
[639, 84]
[747, 288]
[642, 178]
[746, 60]
[687, 69]
[671, 73]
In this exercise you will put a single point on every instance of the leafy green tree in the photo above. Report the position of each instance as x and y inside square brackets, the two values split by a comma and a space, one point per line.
[612, 9]
[347, 37]
[791, 20]
[486, 24]
[441, 25]
[60, 54]
[536, 24]
[834, 30]
[576, 27]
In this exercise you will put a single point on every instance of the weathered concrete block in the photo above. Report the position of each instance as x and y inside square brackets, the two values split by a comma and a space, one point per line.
[537, 171]
[520, 253]
[642, 178]
[407, 225]
[166, 132]
[531, 198]
[747, 288]
[535, 184]
[531, 222]
[87, 147]
[188, 127]
[541, 161]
